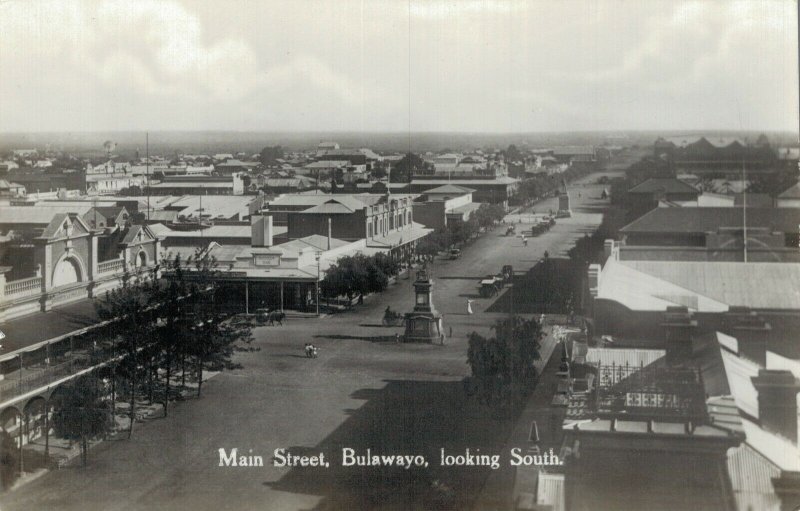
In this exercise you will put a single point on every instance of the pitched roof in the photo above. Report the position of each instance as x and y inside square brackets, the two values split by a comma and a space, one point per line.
[133, 232]
[700, 220]
[666, 185]
[109, 211]
[59, 221]
[330, 207]
[449, 188]
[623, 356]
[791, 193]
[700, 286]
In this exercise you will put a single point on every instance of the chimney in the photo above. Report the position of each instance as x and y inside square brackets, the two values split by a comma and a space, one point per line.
[594, 279]
[777, 401]
[329, 233]
[678, 327]
[751, 331]
[608, 248]
[261, 230]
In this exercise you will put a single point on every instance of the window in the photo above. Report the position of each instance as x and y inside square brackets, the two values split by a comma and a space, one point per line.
[422, 299]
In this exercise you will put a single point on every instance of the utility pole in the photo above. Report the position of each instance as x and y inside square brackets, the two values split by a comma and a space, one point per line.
[147, 167]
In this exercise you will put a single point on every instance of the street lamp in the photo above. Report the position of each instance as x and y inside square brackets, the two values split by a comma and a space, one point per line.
[316, 297]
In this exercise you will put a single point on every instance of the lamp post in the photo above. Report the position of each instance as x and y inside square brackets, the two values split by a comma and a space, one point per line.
[316, 297]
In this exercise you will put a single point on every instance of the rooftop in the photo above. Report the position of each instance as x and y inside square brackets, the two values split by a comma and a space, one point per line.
[450, 188]
[791, 193]
[701, 220]
[700, 286]
[665, 185]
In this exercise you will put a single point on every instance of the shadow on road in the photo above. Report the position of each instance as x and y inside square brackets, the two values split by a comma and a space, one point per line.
[370, 338]
[407, 418]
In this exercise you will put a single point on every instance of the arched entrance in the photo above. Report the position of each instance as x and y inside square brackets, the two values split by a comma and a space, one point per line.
[141, 259]
[67, 271]
[10, 423]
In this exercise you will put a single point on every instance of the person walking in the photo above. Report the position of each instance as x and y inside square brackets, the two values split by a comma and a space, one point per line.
[451, 331]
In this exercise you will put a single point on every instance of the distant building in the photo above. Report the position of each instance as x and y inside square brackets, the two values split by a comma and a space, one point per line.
[713, 234]
[199, 185]
[713, 155]
[646, 195]
[8, 190]
[384, 221]
[789, 198]
[444, 205]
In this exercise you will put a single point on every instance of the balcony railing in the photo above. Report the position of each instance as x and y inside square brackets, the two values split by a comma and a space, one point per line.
[114, 265]
[23, 287]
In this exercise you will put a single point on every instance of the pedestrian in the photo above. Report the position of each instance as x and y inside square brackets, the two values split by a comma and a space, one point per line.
[441, 339]
[451, 331]
[397, 338]
[469, 307]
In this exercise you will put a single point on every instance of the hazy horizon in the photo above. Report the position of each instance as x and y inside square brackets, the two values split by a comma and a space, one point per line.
[432, 66]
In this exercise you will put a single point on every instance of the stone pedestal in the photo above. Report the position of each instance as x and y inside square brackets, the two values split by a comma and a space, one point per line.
[424, 323]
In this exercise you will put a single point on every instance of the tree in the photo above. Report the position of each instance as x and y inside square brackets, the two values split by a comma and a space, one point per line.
[83, 412]
[502, 366]
[212, 340]
[171, 339]
[405, 168]
[270, 154]
[130, 307]
[513, 154]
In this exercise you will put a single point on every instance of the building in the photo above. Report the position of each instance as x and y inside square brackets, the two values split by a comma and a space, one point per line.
[763, 470]
[630, 297]
[385, 221]
[647, 195]
[61, 260]
[789, 198]
[191, 236]
[11, 190]
[444, 205]
[575, 155]
[199, 185]
[714, 155]
[713, 234]
[101, 217]
[491, 189]
[640, 434]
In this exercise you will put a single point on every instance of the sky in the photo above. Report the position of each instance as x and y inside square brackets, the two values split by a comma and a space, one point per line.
[398, 65]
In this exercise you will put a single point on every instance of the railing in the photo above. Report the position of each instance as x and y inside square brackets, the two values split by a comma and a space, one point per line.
[24, 287]
[34, 378]
[114, 265]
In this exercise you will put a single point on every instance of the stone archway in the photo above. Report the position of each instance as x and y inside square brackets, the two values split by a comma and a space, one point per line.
[68, 270]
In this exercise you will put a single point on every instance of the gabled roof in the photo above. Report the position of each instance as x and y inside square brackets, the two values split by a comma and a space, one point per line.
[791, 193]
[132, 236]
[109, 211]
[332, 206]
[455, 189]
[62, 221]
[665, 185]
[701, 220]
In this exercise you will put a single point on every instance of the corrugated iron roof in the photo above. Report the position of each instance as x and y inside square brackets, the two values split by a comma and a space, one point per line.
[623, 356]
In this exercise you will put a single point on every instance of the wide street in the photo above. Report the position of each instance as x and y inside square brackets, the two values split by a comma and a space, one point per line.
[364, 391]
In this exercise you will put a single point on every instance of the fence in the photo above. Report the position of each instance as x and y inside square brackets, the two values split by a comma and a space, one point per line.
[114, 265]
[23, 287]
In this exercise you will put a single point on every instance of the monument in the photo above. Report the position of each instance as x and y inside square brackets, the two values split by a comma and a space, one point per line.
[423, 324]
[563, 201]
